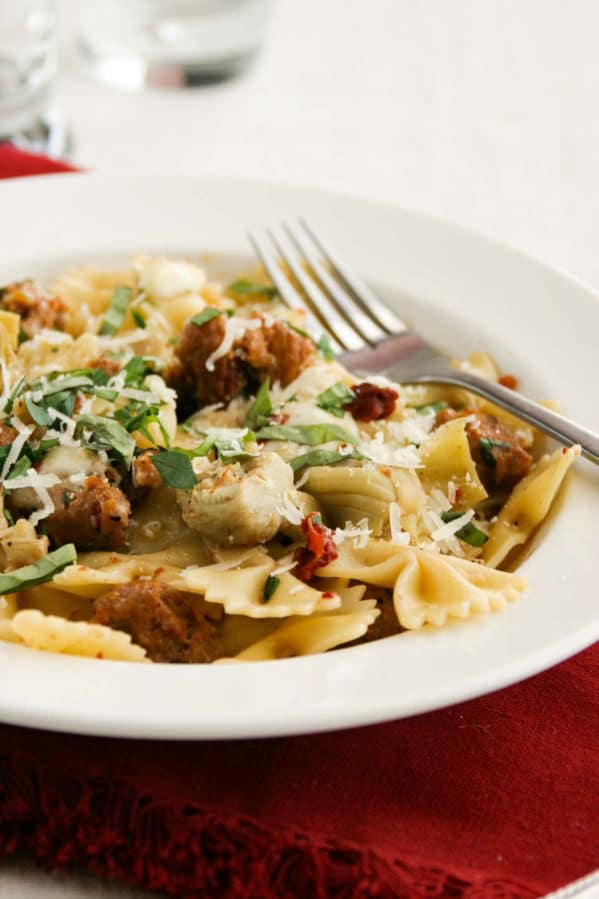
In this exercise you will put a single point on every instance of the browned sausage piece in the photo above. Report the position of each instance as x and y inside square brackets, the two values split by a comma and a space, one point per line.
[500, 458]
[95, 517]
[37, 308]
[144, 473]
[274, 350]
[111, 367]
[171, 626]
[7, 434]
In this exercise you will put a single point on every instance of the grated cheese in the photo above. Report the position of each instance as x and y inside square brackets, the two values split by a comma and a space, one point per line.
[286, 563]
[398, 536]
[289, 510]
[384, 454]
[450, 528]
[38, 483]
[235, 328]
[359, 533]
[164, 278]
[17, 445]
[6, 386]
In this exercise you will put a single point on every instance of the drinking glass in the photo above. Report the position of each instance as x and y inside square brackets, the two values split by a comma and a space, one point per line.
[169, 43]
[27, 70]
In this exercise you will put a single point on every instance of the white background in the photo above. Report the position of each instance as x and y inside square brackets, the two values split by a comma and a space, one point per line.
[481, 111]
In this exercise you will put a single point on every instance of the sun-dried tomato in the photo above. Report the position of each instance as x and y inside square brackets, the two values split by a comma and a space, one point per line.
[510, 381]
[320, 548]
[371, 402]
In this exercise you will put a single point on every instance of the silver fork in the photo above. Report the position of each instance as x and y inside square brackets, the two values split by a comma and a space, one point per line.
[372, 339]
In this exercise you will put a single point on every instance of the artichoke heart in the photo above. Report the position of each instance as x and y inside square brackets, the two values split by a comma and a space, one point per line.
[238, 503]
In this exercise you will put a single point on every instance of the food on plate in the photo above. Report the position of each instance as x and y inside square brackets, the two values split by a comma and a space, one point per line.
[188, 475]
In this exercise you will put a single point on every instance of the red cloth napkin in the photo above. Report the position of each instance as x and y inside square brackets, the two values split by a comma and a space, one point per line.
[497, 798]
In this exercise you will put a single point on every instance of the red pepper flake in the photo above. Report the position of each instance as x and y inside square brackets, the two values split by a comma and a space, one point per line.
[281, 418]
[320, 548]
[158, 571]
[371, 402]
[328, 595]
[100, 655]
[458, 494]
[510, 381]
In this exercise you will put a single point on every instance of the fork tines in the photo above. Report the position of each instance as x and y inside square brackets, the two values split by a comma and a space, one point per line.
[338, 301]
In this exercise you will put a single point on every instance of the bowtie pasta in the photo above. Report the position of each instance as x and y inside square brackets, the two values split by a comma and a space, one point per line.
[189, 476]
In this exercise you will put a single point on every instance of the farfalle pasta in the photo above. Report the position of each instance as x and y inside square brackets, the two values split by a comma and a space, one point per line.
[189, 476]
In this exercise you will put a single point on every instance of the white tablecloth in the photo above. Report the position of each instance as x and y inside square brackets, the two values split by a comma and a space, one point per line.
[476, 110]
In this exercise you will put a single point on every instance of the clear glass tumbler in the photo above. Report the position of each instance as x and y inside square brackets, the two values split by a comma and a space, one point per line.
[132, 44]
[27, 70]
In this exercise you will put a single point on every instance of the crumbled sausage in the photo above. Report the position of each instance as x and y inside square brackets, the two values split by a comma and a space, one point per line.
[371, 402]
[7, 434]
[273, 350]
[111, 367]
[144, 473]
[171, 626]
[500, 458]
[92, 518]
[38, 309]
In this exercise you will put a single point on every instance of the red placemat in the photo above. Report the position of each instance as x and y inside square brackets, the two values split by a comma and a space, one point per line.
[497, 798]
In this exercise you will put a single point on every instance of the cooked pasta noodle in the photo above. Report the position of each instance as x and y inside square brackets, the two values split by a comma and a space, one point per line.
[187, 476]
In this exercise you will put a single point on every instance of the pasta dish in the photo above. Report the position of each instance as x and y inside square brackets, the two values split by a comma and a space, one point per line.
[187, 475]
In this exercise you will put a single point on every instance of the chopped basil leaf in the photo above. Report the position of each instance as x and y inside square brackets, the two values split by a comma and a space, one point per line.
[175, 469]
[138, 318]
[107, 434]
[43, 447]
[15, 393]
[243, 288]
[41, 571]
[335, 398]
[469, 533]
[206, 315]
[425, 408]
[39, 415]
[486, 450]
[325, 348]
[321, 457]
[272, 582]
[20, 468]
[138, 416]
[261, 409]
[22, 336]
[104, 393]
[63, 402]
[310, 435]
[135, 370]
[115, 314]
[8, 516]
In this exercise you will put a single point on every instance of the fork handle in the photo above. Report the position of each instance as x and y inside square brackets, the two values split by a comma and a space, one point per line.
[557, 426]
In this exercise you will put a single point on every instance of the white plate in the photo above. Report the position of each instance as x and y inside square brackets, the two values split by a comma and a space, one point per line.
[464, 293]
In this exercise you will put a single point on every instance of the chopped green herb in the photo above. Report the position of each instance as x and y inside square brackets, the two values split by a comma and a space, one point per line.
[40, 572]
[325, 348]
[138, 416]
[469, 533]
[22, 337]
[310, 435]
[138, 318]
[39, 415]
[486, 450]
[272, 582]
[173, 341]
[425, 408]
[115, 314]
[14, 395]
[335, 398]
[20, 468]
[175, 469]
[135, 370]
[260, 411]
[321, 457]
[107, 434]
[206, 315]
[104, 393]
[44, 447]
[243, 288]
[9, 517]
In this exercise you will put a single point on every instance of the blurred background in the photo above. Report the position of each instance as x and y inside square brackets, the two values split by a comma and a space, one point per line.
[476, 110]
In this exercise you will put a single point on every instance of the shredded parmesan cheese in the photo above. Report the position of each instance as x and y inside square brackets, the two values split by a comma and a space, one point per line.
[452, 527]
[398, 536]
[285, 564]
[385, 454]
[235, 328]
[359, 533]
[17, 445]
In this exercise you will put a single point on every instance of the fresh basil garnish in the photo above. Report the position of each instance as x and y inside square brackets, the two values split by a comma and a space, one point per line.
[425, 408]
[175, 469]
[272, 582]
[244, 288]
[107, 434]
[115, 314]
[206, 315]
[138, 318]
[321, 457]
[310, 435]
[39, 572]
[325, 348]
[39, 414]
[260, 411]
[486, 445]
[335, 398]
[469, 533]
